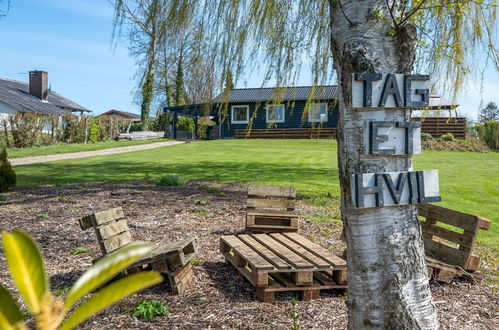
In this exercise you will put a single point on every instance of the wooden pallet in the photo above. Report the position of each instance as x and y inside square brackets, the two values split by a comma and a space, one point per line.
[449, 249]
[173, 259]
[271, 209]
[284, 262]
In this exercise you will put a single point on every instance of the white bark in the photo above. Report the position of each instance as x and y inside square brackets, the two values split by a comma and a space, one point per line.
[388, 287]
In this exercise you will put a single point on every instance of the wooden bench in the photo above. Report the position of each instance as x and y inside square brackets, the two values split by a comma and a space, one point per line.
[173, 259]
[271, 209]
[284, 262]
[449, 252]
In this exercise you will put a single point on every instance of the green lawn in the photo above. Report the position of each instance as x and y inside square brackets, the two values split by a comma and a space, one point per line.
[469, 182]
[61, 148]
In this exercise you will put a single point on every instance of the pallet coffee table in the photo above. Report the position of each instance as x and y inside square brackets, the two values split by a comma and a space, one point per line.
[284, 262]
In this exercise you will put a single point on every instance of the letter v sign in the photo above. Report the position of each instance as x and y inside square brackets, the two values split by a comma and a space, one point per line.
[395, 192]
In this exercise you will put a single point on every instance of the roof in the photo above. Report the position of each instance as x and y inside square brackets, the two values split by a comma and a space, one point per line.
[440, 102]
[131, 115]
[323, 92]
[16, 94]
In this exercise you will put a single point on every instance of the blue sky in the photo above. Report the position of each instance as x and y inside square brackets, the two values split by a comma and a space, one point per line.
[71, 39]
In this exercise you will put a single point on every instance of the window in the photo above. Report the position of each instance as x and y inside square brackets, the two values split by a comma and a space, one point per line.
[317, 112]
[240, 114]
[275, 114]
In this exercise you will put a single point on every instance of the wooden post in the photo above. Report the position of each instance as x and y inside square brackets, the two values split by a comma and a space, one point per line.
[174, 124]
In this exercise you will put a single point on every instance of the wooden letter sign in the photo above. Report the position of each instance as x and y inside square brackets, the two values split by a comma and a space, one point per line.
[394, 188]
[376, 90]
[392, 138]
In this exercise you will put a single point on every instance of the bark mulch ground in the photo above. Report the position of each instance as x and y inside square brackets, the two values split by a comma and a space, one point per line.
[217, 299]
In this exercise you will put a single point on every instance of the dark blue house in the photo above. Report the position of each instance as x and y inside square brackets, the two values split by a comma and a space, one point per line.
[292, 112]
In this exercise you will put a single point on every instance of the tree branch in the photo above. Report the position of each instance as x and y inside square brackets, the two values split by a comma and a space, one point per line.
[345, 15]
[412, 12]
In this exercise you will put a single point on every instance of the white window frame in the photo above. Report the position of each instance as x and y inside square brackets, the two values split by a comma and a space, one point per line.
[275, 121]
[311, 120]
[232, 114]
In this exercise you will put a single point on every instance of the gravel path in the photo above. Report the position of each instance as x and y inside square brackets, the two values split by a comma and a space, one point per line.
[83, 154]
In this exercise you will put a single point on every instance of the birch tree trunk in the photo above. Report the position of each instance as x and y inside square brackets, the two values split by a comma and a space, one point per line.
[388, 287]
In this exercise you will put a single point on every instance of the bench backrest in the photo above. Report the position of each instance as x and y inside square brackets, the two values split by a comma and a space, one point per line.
[461, 238]
[271, 197]
[111, 230]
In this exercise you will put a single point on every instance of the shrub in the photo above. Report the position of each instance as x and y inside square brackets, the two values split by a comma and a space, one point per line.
[26, 128]
[487, 132]
[171, 180]
[8, 178]
[447, 137]
[427, 137]
[470, 144]
[95, 135]
[160, 122]
[148, 309]
[185, 124]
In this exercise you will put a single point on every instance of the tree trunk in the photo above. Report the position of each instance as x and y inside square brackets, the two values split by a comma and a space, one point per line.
[388, 286]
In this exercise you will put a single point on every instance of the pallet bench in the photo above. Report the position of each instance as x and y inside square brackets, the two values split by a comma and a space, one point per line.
[284, 262]
[173, 259]
[271, 209]
[449, 250]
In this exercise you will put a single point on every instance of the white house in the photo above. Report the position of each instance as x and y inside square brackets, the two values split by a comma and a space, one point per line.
[35, 97]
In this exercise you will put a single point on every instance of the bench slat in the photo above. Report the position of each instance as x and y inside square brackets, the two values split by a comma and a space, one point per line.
[448, 216]
[301, 251]
[101, 218]
[447, 234]
[317, 250]
[275, 213]
[115, 242]
[271, 203]
[271, 191]
[253, 258]
[289, 256]
[446, 253]
[264, 252]
[111, 229]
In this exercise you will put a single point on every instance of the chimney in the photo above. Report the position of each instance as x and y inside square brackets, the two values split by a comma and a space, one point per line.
[38, 84]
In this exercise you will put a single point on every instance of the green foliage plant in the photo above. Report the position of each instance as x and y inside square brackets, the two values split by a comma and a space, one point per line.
[79, 251]
[202, 202]
[94, 132]
[27, 270]
[171, 180]
[148, 309]
[427, 137]
[487, 132]
[185, 124]
[211, 190]
[8, 178]
[196, 262]
[447, 137]
[294, 315]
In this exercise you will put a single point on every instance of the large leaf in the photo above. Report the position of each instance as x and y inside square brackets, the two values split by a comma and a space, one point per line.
[105, 269]
[26, 267]
[9, 312]
[111, 294]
